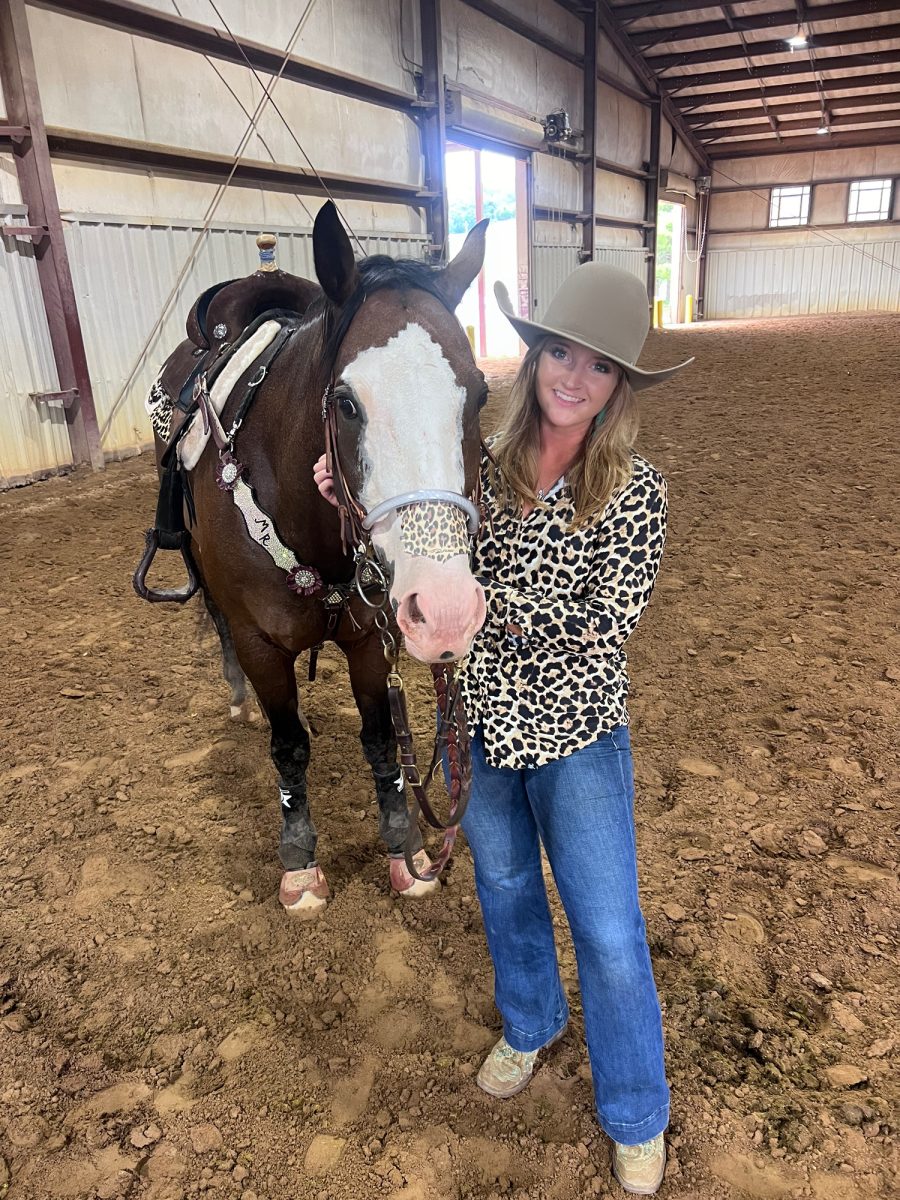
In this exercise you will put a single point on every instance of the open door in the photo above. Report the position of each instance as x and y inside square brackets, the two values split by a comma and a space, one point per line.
[486, 183]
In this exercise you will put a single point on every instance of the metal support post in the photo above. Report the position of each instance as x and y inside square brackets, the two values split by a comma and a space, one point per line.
[432, 124]
[589, 166]
[33, 168]
[651, 207]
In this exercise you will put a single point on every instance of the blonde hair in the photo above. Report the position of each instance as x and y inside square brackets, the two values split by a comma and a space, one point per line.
[603, 467]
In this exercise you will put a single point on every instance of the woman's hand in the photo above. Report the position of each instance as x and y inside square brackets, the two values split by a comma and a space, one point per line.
[324, 481]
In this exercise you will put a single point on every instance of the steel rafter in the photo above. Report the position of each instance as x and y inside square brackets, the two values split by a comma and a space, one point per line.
[740, 129]
[787, 18]
[31, 156]
[657, 8]
[819, 41]
[193, 164]
[692, 104]
[843, 62]
[701, 119]
[726, 12]
[797, 145]
[657, 87]
[504, 17]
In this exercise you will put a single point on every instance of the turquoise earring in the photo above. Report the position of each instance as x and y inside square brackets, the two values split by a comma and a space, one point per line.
[600, 418]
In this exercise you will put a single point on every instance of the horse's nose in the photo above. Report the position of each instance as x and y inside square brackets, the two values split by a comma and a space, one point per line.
[439, 622]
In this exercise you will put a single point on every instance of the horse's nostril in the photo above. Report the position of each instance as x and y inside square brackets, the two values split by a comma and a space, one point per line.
[446, 655]
[415, 613]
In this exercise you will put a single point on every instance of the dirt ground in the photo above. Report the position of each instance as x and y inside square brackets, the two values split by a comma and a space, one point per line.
[166, 1031]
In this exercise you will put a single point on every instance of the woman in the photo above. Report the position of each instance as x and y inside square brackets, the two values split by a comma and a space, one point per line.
[568, 558]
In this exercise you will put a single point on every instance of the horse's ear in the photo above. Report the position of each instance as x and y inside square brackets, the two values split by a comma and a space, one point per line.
[460, 271]
[333, 255]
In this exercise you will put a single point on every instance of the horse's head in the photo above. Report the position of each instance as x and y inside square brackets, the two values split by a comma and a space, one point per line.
[407, 393]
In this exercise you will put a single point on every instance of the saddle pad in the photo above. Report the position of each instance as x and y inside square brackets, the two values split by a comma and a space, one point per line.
[193, 443]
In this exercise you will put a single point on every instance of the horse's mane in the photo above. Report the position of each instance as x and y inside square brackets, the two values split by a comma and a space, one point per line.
[376, 272]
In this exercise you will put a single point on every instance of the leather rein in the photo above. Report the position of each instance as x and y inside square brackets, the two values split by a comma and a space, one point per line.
[452, 733]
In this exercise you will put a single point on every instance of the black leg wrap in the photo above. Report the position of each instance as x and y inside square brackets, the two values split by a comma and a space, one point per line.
[297, 848]
[393, 811]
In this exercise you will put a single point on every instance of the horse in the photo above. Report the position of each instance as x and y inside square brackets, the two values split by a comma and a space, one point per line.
[375, 347]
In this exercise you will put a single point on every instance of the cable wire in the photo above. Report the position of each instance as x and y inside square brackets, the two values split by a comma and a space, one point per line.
[309, 161]
[207, 221]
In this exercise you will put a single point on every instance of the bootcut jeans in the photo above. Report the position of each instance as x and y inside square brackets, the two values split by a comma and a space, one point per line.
[581, 808]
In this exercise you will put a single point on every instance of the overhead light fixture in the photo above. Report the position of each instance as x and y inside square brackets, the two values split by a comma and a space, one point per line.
[799, 40]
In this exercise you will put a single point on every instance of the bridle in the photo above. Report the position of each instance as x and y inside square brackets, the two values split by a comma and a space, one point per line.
[452, 734]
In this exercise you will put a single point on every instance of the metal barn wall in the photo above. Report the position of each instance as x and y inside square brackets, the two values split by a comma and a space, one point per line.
[130, 230]
[33, 437]
[810, 275]
[124, 271]
[754, 271]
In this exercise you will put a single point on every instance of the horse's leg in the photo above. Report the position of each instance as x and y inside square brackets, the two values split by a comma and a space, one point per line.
[231, 668]
[368, 679]
[270, 670]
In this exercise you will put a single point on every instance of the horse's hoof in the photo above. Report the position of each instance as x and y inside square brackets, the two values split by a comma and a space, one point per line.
[303, 893]
[245, 713]
[405, 885]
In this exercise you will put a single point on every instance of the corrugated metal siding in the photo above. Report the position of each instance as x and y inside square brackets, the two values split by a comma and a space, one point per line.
[798, 280]
[33, 438]
[124, 270]
[633, 259]
[551, 263]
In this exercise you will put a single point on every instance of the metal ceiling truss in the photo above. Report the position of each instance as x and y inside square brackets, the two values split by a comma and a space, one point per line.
[700, 120]
[715, 54]
[744, 130]
[694, 92]
[784, 18]
[690, 104]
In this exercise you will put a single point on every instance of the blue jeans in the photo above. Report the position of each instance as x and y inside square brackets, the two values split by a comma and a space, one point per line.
[580, 807]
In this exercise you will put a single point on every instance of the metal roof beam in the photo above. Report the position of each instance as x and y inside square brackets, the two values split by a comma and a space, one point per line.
[742, 129]
[691, 104]
[658, 8]
[207, 39]
[608, 25]
[489, 8]
[798, 145]
[699, 120]
[644, 38]
[843, 62]
[818, 41]
[74, 145]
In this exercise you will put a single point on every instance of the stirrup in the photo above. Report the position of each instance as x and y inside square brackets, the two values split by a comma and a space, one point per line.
[175, 595]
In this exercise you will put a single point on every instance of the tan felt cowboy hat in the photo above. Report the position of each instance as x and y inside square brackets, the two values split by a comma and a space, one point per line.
[601, 307]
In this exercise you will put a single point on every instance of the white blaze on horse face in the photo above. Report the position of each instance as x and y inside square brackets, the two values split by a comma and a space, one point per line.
[414, 411]
[412, 441]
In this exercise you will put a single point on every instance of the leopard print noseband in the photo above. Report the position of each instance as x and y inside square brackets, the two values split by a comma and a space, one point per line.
[433, 530]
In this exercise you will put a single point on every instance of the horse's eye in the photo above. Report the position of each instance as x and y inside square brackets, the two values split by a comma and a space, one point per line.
[348, 408]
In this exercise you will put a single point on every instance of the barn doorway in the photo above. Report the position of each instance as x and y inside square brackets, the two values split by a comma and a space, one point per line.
[488, 183]
[669, 244]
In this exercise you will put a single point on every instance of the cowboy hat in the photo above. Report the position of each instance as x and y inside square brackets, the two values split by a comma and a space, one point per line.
[601, 307]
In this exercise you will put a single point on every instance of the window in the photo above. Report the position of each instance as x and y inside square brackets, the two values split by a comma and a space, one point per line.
[870, 200]
[789, 206]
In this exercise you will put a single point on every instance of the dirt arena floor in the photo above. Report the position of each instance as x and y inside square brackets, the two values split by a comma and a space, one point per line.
[167, 1032]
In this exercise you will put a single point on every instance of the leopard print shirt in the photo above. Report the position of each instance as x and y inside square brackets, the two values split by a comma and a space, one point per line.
[577, 597]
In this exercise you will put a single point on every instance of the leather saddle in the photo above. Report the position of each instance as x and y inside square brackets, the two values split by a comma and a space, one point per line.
[221, 312]
[220, 315]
